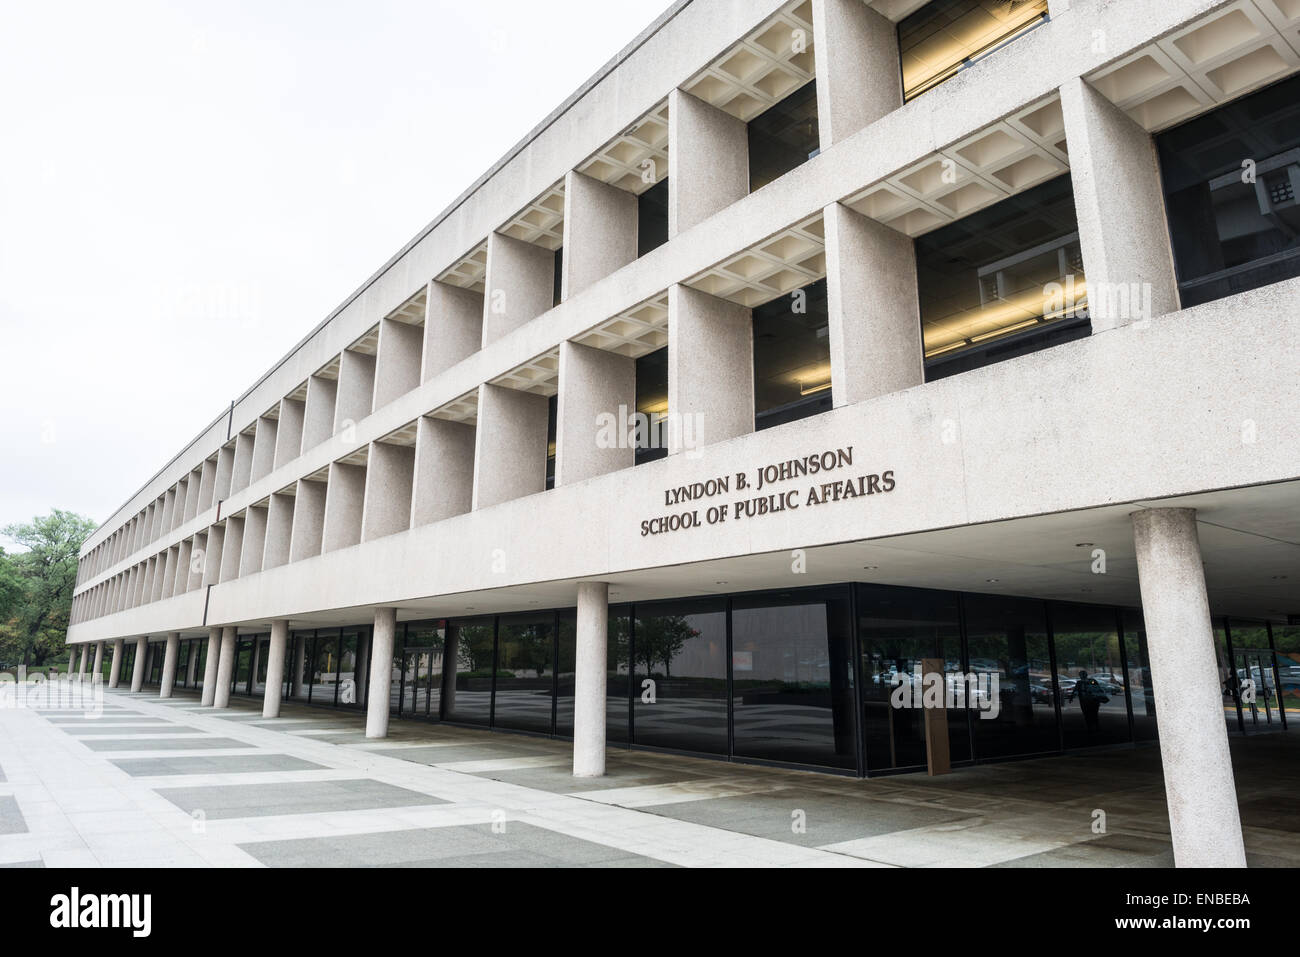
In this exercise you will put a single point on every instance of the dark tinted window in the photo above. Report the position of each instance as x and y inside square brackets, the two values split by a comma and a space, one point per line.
[1003, 281]
[783, 136]
[1232, 193]
[652, 218]
[792, 360]
[944, 37]
[652, 405]
[680, 649]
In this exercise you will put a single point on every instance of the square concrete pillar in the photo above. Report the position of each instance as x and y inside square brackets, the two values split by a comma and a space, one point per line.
[444, 471]
[344, 506]
[242, 470]
[198, 558]
[180, 506]
[318, 413]
[167, 587]
[356, 389]
[710, 369]
[207, 485]
[288, 435]
[520, 285]
[224, 474]
[510, 446]
[182, 570]
[232, 547]
[1119, 200]
[169, 505]
[859, 76]
[250, 559]
[397, 364]
[874, 314]
[708, 161]
[213, 555]
[389, 475]
[453, 327]
[1204, 821]
[596, 400]
[264, 447]
[97, 669]
[308, 520]
[193, 491]
[279, 530]
[600, 232]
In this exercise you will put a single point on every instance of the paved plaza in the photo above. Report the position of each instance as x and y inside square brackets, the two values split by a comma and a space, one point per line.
[155, 783]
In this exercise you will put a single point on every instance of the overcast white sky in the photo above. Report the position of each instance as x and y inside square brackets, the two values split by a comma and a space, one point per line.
[187, 188]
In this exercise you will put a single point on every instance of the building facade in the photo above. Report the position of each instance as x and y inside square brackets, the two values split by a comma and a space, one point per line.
[810, 348]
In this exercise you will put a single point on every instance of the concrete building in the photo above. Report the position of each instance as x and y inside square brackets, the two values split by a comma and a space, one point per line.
[807, 342]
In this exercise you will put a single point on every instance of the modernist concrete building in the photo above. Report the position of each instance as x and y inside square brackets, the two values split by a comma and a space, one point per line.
[807, 342]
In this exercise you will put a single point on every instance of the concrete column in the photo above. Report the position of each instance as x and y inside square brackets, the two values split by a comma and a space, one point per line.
[224, 474]
[225, 667]
[874, 312]
[1204, 823]
[859, 78]
[708, 161]
[1119, 200]
[596, 400]
[171, 658]
[356, 389]
[250, 558]
[520, 285]
[264, 447]
[84, 666]
[397, 364]
[344, 506]
[710, 369]
[212, 555]
[279, 530]
[275, 669]
[115, 669]
[589, 676]
[308, 520]
[141, 660]
[255, 660]
[242, 470]
[453, 327]
[381, 672]
[206, 485]
[98, 668]
[510, 447]
[443, 484]
[288, 436]
[389, 475]
[318, 416]
[210, 666]
[600, 232]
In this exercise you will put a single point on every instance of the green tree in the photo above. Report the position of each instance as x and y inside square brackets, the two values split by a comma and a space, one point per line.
[36, 626]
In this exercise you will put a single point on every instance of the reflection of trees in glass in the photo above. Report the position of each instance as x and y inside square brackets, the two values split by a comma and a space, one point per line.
[526, 647]
[1092, 650]
[474, 648]
[659, 640]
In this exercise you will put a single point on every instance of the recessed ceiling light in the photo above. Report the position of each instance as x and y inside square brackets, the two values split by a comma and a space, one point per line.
[1084, 544]
[719, 583]
[870, 568]
[991, 580]
[1278, 578]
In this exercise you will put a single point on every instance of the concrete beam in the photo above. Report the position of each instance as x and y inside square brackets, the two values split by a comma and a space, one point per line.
[510, 447]
[710, 369]
[600, 231]
[453, 327]
[708, 161]
[444, 470]
[859, 77]
[597, 395]
[520, 285]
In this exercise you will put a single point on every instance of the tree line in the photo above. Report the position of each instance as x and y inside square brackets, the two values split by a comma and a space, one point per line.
[36, 585]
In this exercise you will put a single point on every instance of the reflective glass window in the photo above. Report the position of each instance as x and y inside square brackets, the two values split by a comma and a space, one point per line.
[679, 653]
[792, 358]
[467, 692]
[1007, 639]
[783, 136]
[792, 677]
[946, 36]
[1002, 282]
[897, 629]
[1232, 194]
[1089, 674]
[525, 685]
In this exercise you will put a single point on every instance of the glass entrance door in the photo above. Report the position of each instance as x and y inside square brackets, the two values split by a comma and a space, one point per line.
[1258, 683]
